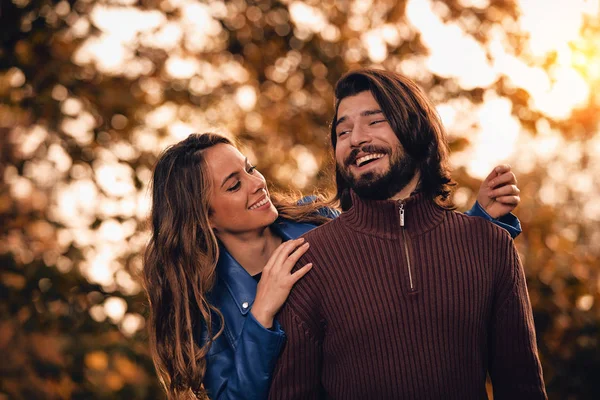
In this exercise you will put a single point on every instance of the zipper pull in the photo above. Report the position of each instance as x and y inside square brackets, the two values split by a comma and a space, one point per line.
[401, 214]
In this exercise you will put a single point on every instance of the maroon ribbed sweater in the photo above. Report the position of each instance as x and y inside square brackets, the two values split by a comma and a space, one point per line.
[419, 311]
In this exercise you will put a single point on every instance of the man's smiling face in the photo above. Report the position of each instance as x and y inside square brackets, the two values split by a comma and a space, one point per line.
[365, 139]
[368, 153]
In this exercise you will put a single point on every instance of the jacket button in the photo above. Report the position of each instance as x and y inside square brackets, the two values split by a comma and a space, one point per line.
[245, 305]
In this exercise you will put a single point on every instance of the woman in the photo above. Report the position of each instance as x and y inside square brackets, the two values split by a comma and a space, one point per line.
[220, 256]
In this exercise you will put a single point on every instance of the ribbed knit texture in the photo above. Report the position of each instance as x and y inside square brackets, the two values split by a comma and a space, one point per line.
[357, 329]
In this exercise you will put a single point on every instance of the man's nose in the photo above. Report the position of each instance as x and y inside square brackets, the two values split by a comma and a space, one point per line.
[358, 137]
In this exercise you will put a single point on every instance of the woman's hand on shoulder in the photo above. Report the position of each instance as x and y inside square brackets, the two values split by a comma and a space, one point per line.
[277, 281]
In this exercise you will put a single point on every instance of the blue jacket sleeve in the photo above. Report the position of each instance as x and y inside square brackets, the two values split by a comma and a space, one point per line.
[246, 375]
[509, 222]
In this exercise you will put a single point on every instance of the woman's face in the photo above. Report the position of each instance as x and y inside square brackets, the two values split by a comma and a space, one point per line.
[240, 200]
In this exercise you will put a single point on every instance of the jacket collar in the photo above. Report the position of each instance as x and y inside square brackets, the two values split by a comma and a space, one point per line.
[240, 284]
[382, 217]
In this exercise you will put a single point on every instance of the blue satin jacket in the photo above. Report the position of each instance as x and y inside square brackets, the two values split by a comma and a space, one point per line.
[241, 360]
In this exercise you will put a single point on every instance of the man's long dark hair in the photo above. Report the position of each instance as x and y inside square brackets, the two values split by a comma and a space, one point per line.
[413, 119]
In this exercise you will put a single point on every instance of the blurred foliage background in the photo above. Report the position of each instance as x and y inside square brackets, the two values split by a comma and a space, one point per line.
[92, 91]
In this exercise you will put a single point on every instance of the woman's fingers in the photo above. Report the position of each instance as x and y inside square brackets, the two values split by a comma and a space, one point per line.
[273, 258]
[509, 200]
[285, 257]
[507, 190]
[283, 251]
[294, 257]
[290, 255]
[295, 277]
[503, 179]
[492, 175]
[497, 171]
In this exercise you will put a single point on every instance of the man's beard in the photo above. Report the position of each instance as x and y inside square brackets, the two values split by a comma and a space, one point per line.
[379, 186]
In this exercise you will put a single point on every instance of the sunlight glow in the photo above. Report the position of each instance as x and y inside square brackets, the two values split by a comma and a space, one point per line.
[16, 77]
[167, 37]
[100, 267]
[568, 91]
[375, 44]
[31, 139]
[555, 91]
[201, 28]
[71, 106]
[307, 17]
[115, 308]
[114, 178]
[80, 128]
[182, 67]
[481, 4]
[496, 139]
[306, 160]
[97, 313]
[59, 157]
[552, 27]
[76, 203]
[585, 302]
[245, 97]
[106, 52]
[453, 53]
[132, 323]
[161, 116]
[112, 231]
[126, 283]
[179, 130]
[125, 23]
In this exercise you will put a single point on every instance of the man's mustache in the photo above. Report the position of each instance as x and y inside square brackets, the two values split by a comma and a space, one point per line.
[369, 148]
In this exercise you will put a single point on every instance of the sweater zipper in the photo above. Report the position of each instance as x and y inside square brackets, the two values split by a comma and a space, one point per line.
[405, 240]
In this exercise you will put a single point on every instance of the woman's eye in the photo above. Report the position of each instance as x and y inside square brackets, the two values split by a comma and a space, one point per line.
[251, 170]
[378, 121]
[235, 187]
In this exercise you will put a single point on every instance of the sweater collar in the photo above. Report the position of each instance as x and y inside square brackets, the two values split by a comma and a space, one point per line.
[382, 217]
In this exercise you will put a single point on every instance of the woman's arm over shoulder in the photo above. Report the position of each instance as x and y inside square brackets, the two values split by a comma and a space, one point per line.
[509, 221]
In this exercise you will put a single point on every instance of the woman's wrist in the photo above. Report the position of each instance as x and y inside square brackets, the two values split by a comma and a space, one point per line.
[263, 318]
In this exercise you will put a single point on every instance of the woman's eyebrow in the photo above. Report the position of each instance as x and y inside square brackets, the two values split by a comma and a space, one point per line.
[235, 173]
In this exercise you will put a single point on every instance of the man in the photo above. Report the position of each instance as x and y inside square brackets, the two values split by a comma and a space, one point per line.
[408, 299]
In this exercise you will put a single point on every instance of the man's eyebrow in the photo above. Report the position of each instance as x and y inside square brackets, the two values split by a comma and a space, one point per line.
[339, 121]
[231, 175]
[370, 112]
[365, 113]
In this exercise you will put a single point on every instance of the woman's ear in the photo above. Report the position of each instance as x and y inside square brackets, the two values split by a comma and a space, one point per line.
[211, 221]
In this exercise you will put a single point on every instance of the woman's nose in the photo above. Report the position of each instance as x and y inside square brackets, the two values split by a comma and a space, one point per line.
[257, 183]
